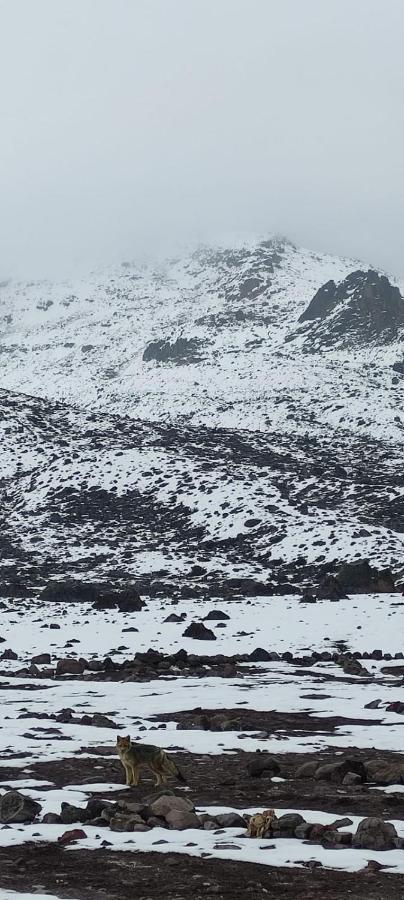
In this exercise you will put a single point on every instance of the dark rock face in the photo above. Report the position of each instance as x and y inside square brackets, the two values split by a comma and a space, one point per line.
[322, 303]
[330, 589]
[360, 577]
[352, 578]
[363, 307]
[70, 591]
[101, 595]
[127, 600]
[181, 352]
[263, 764]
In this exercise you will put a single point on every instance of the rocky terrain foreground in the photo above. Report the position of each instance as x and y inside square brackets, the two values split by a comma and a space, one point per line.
[201, 545]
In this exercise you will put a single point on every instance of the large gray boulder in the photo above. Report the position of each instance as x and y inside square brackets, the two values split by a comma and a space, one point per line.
[375, 834]
[167, 804]
[181, 819]
[15, 807]
[70, 666]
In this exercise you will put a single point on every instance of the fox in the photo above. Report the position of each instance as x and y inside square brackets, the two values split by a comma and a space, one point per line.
[134, 756]
[260, 824]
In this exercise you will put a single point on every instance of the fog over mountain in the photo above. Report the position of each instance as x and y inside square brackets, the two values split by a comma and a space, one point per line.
[130, 127]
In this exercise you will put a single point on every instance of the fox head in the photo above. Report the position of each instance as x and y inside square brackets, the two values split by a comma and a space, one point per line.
[123, 742]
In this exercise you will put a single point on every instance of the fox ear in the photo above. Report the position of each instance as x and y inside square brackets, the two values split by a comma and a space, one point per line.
[128, 737]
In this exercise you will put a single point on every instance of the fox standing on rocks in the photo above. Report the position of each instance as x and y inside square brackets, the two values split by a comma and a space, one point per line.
[134, 756]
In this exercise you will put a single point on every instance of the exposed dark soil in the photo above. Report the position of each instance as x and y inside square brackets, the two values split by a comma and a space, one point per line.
[271, 721]
[223, 779]
[102, 875]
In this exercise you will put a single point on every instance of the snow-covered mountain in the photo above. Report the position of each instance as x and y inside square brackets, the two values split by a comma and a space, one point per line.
[223, 336]
[239, 408]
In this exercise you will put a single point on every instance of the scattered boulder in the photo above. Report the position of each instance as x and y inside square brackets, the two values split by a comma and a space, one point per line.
[216, 615]
[352, 778]
[70, 814]
[180, 819]
[263, 764]
[396, 706]
[199, 632]
[287, 824]
[381, 772]
[126, 600]
[260, 655]
[16, 807]
[307, 770]
[41, 660]
[229, 820]
[375, 834]
[121, 822]
[197, 571]
[167, 803]
[9, 654]
[96, 807]
[70, 666]
[335, 772]
[51, 819]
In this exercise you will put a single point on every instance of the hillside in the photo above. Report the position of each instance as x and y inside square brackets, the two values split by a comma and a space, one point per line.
[211, 338]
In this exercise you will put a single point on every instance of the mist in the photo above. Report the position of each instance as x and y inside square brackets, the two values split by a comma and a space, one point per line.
[130, 126]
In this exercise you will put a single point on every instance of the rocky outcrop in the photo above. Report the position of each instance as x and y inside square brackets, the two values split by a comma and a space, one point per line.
[357, 577]
[103, 596]
[362, 308]
[70, 591]
[182, 351]
[126, 600]
[360, 578]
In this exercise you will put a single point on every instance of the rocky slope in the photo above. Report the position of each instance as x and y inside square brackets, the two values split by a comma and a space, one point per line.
[95, 496]
[213, 338]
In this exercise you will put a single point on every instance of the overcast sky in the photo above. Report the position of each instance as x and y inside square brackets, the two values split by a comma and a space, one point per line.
[133, 124]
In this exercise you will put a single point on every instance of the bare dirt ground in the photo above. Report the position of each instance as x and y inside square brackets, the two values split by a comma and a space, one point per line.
[106, 875]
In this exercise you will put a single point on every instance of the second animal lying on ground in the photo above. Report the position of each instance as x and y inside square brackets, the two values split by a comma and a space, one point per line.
[135, 756]
[260, 824]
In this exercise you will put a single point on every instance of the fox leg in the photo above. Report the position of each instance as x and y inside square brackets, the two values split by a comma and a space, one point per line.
[135, 776]
[127, 774]
[159, 778]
